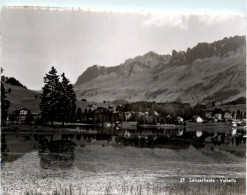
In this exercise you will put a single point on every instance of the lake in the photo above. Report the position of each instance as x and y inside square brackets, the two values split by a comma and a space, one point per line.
[99, 161]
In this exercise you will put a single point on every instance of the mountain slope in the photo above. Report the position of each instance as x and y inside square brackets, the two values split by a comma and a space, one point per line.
[20, 97]
[207, 72]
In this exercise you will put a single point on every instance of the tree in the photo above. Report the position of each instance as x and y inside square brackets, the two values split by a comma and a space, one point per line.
[4, 104]
[50, 97]
[68, 100]
[78, 114]
[29, 117]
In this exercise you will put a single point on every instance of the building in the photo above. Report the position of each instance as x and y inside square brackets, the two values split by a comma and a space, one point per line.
[20, 114]
[197, 119]
[227, 116]
[92, 107]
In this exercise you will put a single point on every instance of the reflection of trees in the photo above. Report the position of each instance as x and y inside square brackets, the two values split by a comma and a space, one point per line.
[14, 146]
[155, 141]
[56, 153]
[4, 148]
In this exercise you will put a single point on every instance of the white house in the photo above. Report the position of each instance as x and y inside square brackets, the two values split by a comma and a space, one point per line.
[180, 119]
[23, 113]
[198, 119]
[218, 116]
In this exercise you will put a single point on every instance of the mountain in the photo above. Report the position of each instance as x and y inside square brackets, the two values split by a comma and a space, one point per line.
[207, 72]
[21, 97]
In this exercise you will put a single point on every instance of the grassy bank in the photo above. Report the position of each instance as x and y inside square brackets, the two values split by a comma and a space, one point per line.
[187, 188]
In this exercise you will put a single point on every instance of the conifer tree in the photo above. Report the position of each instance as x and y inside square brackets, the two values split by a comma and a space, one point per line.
[79, 114]
[50, 97]
[4, 104]
[68, 101]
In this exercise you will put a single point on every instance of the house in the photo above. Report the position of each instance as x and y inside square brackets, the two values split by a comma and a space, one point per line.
[20, 114]
[92, 107]
[227, 116]
[180, 119]
[197, 119]
[156, 113]
[209, 114]
[218, 114]
[102, 109]
[35, 116]
[127, 116]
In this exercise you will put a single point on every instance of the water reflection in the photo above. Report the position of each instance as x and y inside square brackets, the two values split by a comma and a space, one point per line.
[170, 138]
[56, 150]
[59, 150]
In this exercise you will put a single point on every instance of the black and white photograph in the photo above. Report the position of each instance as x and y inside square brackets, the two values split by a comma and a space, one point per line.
[104, 97]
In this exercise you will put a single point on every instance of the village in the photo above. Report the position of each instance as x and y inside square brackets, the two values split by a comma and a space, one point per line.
[126, 116]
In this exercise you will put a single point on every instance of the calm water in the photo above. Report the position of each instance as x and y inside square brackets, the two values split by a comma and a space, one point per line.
[108, 157]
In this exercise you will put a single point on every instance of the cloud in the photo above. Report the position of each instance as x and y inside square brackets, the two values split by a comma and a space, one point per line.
[172, 20]
[185, 21]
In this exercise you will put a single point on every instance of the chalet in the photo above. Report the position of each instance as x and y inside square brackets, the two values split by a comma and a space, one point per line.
[180, 119]
[102, 109]
[227, 116]
[35, 115]
[92, 107]
[209, 114]
[110, 107]
[127, 116]
[218, 114]
[197, 119]
[20, 114]
[156, 113]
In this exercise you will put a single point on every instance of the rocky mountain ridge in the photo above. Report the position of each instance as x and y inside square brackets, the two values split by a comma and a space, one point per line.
[207, 72]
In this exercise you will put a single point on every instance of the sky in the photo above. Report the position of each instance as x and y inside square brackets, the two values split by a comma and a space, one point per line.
[34, 39]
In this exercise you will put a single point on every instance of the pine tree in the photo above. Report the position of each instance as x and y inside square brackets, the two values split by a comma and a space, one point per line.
[29, 117]
[4, 104]
[50, 97]
[79, 114]
[68, 101]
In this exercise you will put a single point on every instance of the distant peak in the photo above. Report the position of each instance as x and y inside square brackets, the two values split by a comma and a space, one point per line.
[151, 53]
